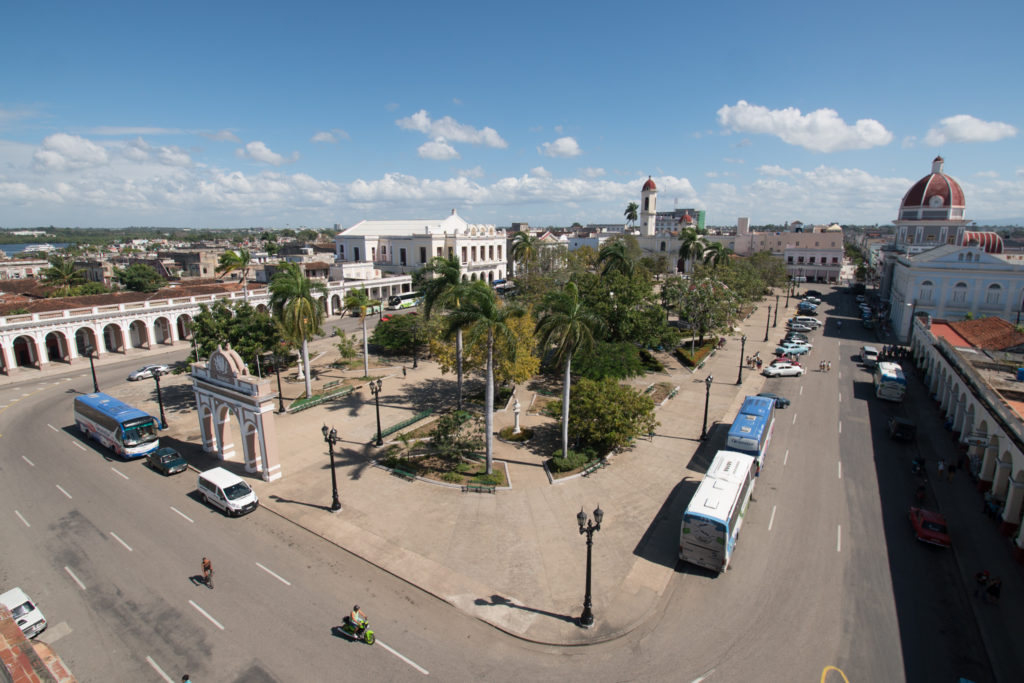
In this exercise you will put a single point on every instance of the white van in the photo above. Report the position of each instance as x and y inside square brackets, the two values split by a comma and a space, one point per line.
[227, 491]
[807, 320]
[869, 356]
[28, 617]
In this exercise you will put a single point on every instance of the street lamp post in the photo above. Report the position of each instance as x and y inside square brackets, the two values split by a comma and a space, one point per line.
[707, 397]
[331, 437]
[160, 398]
[89, 351]
[280, 396]
[776, 323]
[375, 390]
[588, 527]
[789, 288]
[743, 346]
[768, 322]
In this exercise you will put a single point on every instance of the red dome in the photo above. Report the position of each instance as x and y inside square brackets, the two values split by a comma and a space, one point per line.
[935, 191]
[649, 185]
[991, 242]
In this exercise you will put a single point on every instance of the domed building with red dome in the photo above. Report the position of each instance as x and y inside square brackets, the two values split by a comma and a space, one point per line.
[931, 213]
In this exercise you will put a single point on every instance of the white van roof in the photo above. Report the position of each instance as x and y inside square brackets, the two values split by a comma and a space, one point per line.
[13, 598]
[220, 477]
[870, 349]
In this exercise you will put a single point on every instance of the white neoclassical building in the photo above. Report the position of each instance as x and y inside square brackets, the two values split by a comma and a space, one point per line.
[404, 246]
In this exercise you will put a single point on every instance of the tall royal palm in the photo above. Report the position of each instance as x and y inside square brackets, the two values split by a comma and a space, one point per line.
[62, 274]
[524, 249]
[241, 261]
[568, 326]
[630, 212]
[482, 316]
[358, 300]
[692, 245]
[715, 254]
[614, 256]
[293, 300]
[445, 290]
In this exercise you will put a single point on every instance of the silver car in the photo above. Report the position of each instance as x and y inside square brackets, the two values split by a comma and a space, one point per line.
[146, 371]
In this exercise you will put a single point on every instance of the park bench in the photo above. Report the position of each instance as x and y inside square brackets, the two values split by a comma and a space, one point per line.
[478, 488]
[405, 474]
[331, 385]
[594, 466]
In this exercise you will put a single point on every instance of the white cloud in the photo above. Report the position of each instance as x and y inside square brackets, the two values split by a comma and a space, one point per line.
[562, 147]
[559, 128]
[62, 151]
[475, 172]
[966, 128]
[258, 151]
[540, 172]
[438, 150]
[331, 136]
[134, 130]
[909, 142]
[774, 170]
[222, 136]
[987, 174]
[173, 156]
[451, 130]
[136, 150]
[591, 172]
[820, 131]
[730, 160]
[456, 100]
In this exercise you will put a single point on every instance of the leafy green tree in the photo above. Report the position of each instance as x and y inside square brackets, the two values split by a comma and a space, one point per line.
[359, 301]
[444, 290]
[630, 212]
[524, 249]
[629, 306]
[619, 360]
[692, 246]
[293, 300]
[707, 305]
[89, 288]
[240, 260]
[716, 254]
[607, 415]
[62, 274]
[247, 330]
[455, 436]
[481, 315]
[671, 291]
[399, 334]
[139, 277]
[306, 235]
[567, 326]
[614, 257]
[346, 345]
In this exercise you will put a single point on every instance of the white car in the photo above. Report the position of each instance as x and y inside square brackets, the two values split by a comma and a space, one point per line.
[783, 369]
[146, 371]
[798, 327]
[812, 300]
[28, 617]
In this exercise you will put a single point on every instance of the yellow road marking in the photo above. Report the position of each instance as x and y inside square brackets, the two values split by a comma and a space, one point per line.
[824, 673]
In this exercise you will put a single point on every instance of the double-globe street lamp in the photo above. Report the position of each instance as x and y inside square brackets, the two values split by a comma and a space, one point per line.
[375, 390]
[331, 437]
[743, 345]
[707, 397]
[159, 397]
[90, 351]
[776, 323]
[588, 527]
[767, 322]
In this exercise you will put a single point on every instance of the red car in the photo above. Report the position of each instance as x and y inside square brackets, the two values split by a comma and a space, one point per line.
[784, 359]
[929, 527]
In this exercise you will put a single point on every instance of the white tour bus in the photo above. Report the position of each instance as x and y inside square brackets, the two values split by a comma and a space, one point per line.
[712, 521]
[890, 384]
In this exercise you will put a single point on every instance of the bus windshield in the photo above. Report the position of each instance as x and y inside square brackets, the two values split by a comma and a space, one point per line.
[137, 432]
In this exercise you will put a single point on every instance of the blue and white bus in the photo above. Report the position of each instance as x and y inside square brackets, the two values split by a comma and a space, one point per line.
[890, 384]
[712, 521]
[751, 431]
[407, 300]
[127, 431]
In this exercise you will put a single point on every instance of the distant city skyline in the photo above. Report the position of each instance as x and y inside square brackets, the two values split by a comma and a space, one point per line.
[231, 115]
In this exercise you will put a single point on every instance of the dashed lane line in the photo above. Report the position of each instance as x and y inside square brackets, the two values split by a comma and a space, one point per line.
[28, 461]
[207, 615]
[771, 520]
[183, 514]
[118, 539]
[840, 469]
[74, 578]
[839, 538]
[276, 576]
[403, 658]
[23, 520]
[119, 473]
[61, 489]
[52, 427]
[156, 668]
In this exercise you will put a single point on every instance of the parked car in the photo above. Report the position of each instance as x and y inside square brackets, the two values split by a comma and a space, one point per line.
[901, 430]
[793, 339]
[783, 370]
[814, 292]
[166, 461]
[28, 617]
[780, 401]
[930, 527]
[784, 359]
[806, 309]
[146, 371]
[791, 349]
[860, 298]
[812, 300]
[868, 325]
[798, 327]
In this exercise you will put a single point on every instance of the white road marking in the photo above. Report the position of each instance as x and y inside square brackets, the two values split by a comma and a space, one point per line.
[840, 469]
[118, 539]
[287, 583]
[801, 390]
[183, 514]
[80, 445]
[840, 426]
[74, 578]
[121, 474]
[52, 427]
[840, 375]
[404, 658]
[794, 418]
[207, 615]
[23, 520]
[785, 458]
[26, 395]
[839, 538]
[771, 520]
[28, 461]
[840, 397]
[61, 489]
[699, 679]
[157, 669]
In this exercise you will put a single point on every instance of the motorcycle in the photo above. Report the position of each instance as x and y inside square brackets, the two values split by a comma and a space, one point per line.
[351, 631]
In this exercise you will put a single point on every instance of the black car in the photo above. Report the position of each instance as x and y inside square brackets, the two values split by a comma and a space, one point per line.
[814, 292]
[902, 430]
[167, 461]
[780, 401]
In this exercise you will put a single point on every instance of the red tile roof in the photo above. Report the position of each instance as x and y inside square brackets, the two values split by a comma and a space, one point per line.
[942, 330]
[994, 334]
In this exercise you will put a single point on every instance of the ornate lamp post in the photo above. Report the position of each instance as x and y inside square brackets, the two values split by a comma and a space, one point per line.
[707, 397]
[160, 398]
[776, 322]
[789, 288]
[588, 527]
[743, 346]
[89, 351]
[280, 396]
[375, 390]
[331, 437]
[768, 322]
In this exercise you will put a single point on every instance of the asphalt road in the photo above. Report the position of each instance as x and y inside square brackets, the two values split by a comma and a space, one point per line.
[826, 573]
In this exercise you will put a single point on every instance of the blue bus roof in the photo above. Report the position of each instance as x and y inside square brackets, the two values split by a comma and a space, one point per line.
[758, 405]
[748, 426]
[122, 412]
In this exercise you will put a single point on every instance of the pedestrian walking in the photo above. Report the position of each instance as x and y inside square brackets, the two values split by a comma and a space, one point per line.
[208, 572]
[994, 590]
[828, 365]
[981, 578]
[942, 467]
[186, 679]
[403, 372]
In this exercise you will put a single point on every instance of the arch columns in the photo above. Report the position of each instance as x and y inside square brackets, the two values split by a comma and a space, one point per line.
[988, 466]
[1001, 481]
[1010, 520]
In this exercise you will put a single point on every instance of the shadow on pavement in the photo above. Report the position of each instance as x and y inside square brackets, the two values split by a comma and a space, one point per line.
[501, 601]
[660, 541]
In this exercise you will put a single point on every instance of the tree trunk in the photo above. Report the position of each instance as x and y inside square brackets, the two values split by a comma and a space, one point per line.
[489, 401]
[366, 350]
[305, 364]
[565, 408]
[458, 365]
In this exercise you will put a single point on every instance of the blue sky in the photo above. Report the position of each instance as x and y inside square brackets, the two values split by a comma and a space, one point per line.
[225, 114]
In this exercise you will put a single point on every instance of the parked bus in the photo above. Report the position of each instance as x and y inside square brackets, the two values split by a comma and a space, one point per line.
[712, 521]
[890, 384]
[407, 300]
[127, 431]
[751, 431]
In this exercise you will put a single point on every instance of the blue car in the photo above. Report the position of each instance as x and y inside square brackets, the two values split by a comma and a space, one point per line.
[791, 349]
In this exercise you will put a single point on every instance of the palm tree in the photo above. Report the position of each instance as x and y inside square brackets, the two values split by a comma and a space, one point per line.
[62, 274]
[294, 302]
[359, 300]
[715, 253]
[524, 248]
[630, 212]
[615, 257]
[692, 245]
[241, 261]
[569, 326]
[481, 315]
[445, 290]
